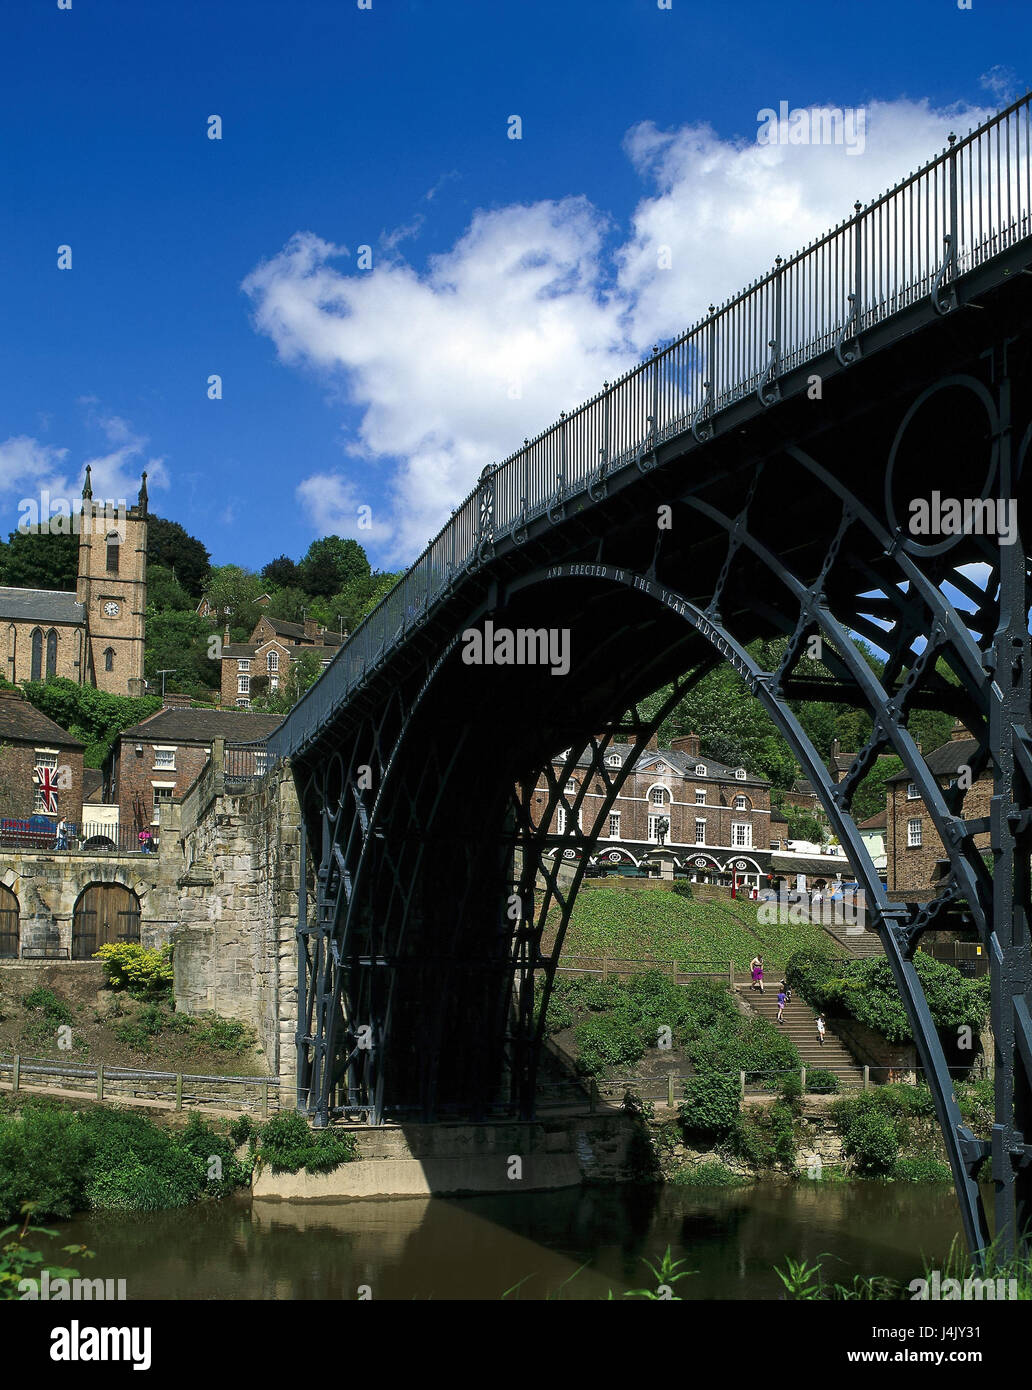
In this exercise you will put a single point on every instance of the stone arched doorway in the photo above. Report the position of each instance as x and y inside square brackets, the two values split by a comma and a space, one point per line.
[9, 923]
[104, 912]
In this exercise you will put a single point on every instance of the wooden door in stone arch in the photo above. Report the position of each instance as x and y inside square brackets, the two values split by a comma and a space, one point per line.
[105, 912]
[9, 923]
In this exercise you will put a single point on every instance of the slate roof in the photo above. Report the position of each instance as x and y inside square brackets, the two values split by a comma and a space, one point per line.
[202, 726]
[41, 606]
[238, 649]
[684, 763]
[21, 722]
[945, 760]
[296, 631]
[803, 787]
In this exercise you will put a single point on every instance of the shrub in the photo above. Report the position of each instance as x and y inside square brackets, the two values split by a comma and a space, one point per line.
[871, 1142]
[223, 1034]
[287, 1144]
[683, 889]
[821, 1082]
[921, 1168]
[782, 1133]
[865, 990]
[242, 1129]
[711, 1105]
[55, 1011]
[601, 995]
[214, 1152]
[135, 1166]
[128, 965]
[43, 1157]
[606, 1040]
[791, 1091]
[559, 1014]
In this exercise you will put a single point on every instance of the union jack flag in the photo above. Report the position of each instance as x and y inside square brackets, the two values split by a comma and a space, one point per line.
[46, 780]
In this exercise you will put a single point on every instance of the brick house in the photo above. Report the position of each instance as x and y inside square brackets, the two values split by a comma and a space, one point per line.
[719, 816]
[913, 850]
[243, 661]
[272, 647]
[28, 741]
[160, 758]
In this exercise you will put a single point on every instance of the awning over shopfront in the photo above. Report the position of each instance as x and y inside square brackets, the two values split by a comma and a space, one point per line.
[827, 866]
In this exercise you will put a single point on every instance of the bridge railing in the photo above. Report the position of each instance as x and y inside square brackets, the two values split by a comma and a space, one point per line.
[963, 207]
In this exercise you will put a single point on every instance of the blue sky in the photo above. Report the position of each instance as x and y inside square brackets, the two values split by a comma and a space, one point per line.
[509, 277]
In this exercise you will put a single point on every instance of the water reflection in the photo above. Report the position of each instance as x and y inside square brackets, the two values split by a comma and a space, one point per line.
[478, 1247]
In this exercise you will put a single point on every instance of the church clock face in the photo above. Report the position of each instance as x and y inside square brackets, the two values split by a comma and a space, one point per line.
[111, 610]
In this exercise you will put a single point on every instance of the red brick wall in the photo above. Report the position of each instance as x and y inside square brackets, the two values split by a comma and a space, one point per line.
[17, 788]
[909, 870]
[634, 808]
[135, 775]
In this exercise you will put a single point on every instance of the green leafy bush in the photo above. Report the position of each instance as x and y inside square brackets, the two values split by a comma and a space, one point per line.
[606, 1040]
[871, 1142]
[136, 1166]
[865, 990]
[215, 1154]
[130, 966]
[223, 1034]
[921, 1168]
[54, 1011]
[287, 1144]
[601, 995]
[710, 1106]
[43, 1157]
[820, 1082]
[782, 1131]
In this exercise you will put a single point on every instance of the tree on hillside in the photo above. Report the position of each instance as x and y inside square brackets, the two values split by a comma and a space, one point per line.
[281, 573]
[330, 564]
[235, 588]
[290, 605]
[170, 545]
[178, 642]
[165, 594]
[42, 561]
[357, 599]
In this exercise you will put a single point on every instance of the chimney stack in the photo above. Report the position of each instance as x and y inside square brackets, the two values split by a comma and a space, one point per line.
[687, 744]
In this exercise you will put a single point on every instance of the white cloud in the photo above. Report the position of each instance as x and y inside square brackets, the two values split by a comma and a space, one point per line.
[536, 304]
[29, 468]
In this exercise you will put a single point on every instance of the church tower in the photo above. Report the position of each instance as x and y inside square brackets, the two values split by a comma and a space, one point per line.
[112, 587]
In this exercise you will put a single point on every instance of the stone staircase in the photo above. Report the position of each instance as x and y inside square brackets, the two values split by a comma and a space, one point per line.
[858, 944]
[800, 1023]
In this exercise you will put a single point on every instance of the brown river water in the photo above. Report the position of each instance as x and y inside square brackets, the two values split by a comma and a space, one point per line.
[480, 1247]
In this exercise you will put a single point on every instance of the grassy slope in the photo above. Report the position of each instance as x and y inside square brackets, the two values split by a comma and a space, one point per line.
[700, 935]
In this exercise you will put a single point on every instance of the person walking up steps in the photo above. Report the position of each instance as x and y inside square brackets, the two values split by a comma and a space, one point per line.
[781, 1004]
[820, 1029]
[757, 973]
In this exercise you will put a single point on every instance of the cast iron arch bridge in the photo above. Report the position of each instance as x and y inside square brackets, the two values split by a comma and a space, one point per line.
[744, 490]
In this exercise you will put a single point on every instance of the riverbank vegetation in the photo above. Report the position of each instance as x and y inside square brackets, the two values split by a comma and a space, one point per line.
[864, 990]
[612, 1024]
[64, 1160]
